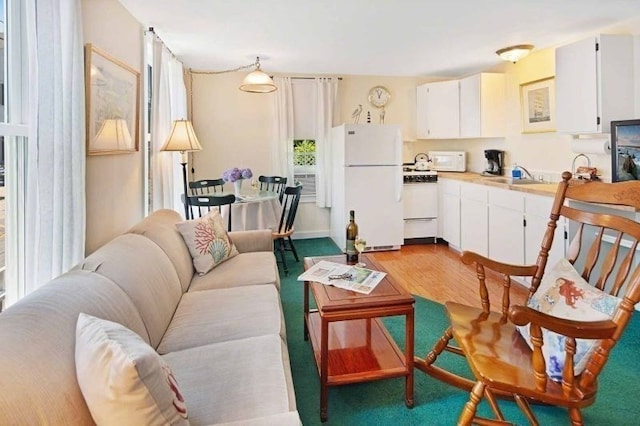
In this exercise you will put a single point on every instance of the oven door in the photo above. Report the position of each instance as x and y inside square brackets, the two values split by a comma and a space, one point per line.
[420, 203]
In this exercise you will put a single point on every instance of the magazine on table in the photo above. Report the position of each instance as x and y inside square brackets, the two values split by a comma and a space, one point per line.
[348, 277]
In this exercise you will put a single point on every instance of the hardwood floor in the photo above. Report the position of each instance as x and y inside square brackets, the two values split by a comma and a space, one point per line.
[435, 272]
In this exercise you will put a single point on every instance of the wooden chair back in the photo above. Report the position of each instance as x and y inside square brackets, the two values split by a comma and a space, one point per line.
[273, 183]
[204, 203]
[289, 209]
[206, 187]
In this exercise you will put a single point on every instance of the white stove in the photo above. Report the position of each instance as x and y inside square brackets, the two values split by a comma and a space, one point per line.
[420, 203]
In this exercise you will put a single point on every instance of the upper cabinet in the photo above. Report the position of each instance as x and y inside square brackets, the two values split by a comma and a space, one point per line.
[482, 104]
[594, 84]
[472, 107]
[438, 110]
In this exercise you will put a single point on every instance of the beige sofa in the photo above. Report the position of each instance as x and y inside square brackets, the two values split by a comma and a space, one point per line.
[223, 333]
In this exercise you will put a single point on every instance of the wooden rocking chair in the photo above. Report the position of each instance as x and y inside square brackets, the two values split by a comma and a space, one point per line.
[502, 361]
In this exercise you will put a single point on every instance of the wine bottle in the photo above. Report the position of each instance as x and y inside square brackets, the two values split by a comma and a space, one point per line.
[352, 233]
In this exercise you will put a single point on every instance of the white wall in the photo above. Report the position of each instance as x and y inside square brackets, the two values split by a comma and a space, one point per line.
[115, 190]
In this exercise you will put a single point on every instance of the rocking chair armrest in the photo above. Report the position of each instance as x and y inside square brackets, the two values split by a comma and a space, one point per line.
[523, 315]
[469, 257]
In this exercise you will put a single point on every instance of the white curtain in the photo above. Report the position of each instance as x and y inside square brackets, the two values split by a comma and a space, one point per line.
[55, 165]
[282, 141]
[170, 103]
[327, 116]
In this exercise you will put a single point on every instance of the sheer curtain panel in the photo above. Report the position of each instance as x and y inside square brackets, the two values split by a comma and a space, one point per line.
[327, 116]
[54, 206]
[282, 141]
[169, 104]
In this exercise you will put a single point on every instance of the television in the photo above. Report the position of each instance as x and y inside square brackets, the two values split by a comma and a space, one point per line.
[625, 150]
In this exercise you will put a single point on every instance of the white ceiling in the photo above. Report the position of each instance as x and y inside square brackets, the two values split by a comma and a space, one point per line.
[369, 37]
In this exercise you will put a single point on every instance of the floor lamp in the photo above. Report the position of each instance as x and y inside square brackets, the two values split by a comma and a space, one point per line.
[182, 139]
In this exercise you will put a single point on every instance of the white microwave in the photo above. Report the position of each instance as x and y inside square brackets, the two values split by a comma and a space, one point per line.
[448, 161]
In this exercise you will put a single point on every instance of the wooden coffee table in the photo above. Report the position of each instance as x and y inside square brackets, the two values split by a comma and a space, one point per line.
[349, 341]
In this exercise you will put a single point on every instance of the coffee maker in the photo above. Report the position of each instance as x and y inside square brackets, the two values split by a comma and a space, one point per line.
[494, 162]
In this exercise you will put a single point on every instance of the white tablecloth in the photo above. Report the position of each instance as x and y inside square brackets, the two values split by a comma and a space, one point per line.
[255, 210]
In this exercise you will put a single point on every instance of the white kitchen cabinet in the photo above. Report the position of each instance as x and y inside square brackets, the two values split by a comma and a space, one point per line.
[594, 84]
[438, 110]
[506, 226]
[474, 218]
[449, 215]
[482, 106]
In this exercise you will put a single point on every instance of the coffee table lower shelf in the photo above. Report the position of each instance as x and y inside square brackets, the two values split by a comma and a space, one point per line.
[359, 350]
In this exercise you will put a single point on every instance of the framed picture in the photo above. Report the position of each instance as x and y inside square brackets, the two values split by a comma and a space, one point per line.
[112, 90]
[538, 105]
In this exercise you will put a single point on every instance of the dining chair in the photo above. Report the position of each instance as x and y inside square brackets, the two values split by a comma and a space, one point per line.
[204, 204]
[282, 235]
[551, 349]
[207, 186]
[273, 183]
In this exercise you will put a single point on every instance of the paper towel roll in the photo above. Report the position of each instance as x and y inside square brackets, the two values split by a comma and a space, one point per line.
[591, 146]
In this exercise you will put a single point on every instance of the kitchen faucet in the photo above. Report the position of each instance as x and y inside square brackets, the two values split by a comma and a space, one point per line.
[526, 172]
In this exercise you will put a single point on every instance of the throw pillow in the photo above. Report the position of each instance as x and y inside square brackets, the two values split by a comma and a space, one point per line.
[563, 293]
[123, 380]
[208, 241]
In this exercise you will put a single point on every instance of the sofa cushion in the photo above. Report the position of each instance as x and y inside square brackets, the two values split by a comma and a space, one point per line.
[123, 380]
[160, 227]
[214, 316]
[563, 293]
[208, 241]
[147, 276]
[240, 379]
[242, 270]
[37, 367]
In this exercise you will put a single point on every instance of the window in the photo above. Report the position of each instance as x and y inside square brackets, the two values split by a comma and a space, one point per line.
[304, 166]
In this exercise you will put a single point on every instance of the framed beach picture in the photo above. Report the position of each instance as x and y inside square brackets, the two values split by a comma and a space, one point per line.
[112, 90]
[538, 106]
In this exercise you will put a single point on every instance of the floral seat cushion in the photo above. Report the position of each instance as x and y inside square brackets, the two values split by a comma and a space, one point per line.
[563, 293]
[208, 241]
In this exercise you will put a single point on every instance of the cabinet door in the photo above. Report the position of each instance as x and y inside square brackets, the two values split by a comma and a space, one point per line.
[451, 219]
[438, 110]
[470, 114]
[577, 87]
[474, 218]
[506, 226]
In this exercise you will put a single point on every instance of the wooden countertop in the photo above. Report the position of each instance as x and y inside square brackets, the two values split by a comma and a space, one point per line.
[548, 189]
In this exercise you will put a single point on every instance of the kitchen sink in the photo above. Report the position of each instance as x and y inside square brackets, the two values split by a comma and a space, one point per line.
[511, 181]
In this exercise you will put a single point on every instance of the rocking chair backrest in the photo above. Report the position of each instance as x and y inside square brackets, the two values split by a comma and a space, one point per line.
[602, 249]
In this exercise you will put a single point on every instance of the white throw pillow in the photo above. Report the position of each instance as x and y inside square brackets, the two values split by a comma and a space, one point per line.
[563, 293]
[123, 380]
[208, 241]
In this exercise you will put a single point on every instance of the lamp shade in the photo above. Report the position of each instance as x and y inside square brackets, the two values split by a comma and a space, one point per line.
[182, 138]
[113, 136]
[515, 53]
[257, 82]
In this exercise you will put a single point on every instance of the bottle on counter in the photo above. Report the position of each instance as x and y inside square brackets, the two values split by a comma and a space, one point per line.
[352, 233]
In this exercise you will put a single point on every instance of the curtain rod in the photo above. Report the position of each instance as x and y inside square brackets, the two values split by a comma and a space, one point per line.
[150, 30]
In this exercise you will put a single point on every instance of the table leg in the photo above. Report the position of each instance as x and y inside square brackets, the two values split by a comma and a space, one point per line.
[324, 368]
[306, 310]
[409, 341]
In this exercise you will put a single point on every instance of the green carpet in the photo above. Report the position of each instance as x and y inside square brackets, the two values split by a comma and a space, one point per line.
[436, 403]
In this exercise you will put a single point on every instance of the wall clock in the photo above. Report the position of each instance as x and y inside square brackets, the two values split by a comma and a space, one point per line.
[379, 96]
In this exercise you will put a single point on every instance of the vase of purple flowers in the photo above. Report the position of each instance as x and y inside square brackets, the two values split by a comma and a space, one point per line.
[236, 176]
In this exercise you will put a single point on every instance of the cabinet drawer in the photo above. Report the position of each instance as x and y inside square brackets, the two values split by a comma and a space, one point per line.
[471, 191]
[421, 228]
[513, 200]
[450, 187]
[538, 205]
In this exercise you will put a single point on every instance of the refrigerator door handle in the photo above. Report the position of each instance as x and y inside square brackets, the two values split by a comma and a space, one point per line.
[400, 184]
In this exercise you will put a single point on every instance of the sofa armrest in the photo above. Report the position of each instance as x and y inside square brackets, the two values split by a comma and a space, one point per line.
[250, 241]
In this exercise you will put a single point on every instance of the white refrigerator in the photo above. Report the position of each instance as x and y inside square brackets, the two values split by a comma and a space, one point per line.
[367, 178]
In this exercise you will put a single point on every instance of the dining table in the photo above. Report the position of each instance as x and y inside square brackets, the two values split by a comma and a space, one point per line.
[254, 209]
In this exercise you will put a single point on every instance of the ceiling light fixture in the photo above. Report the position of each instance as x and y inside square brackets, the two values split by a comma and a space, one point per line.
[256, 81]
[515, 53]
